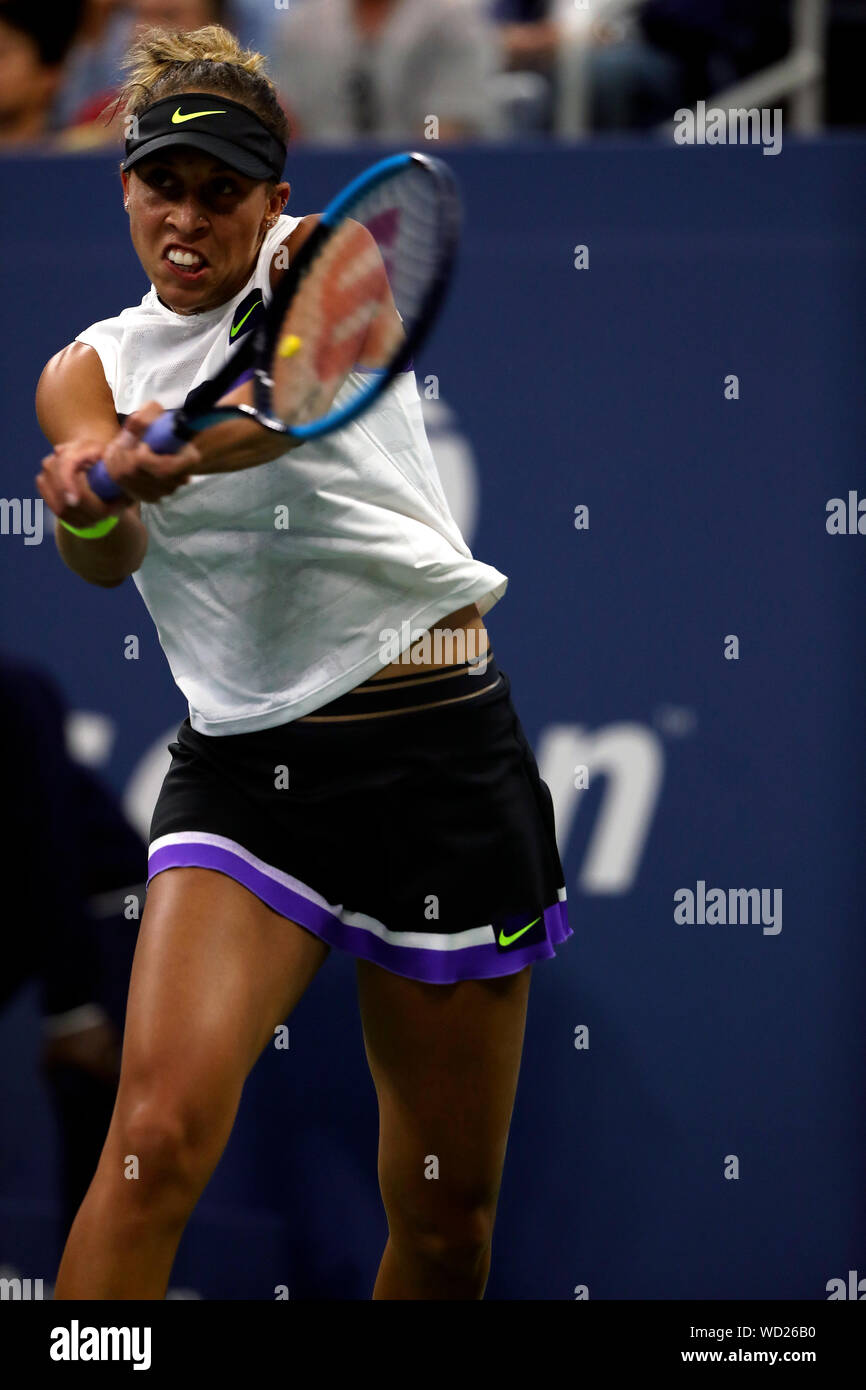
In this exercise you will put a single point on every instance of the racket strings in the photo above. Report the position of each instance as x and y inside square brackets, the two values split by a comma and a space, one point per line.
[327, 324]
[360, 298]
[412, 213]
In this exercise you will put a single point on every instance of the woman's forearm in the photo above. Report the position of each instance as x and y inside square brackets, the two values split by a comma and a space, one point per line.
[110, 559]
[235, 445]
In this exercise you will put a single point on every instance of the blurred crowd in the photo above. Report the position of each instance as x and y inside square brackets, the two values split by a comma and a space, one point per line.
[74, 873]
[400, 69]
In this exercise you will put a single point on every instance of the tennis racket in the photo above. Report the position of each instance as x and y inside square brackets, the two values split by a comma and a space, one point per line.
[350, 312]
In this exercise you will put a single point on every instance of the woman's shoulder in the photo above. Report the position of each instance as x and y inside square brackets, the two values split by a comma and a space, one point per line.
[285, 241]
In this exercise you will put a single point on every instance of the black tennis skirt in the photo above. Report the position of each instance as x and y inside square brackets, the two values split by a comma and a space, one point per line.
[423, 841]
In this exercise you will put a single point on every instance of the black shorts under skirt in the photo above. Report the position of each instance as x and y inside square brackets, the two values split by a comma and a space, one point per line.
[423, 841]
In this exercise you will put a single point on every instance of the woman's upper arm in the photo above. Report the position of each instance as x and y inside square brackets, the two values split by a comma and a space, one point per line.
[292, 244]
[386, 328]
[73, 399]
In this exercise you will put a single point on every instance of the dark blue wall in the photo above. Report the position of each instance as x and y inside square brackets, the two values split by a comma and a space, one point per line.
[603, 387]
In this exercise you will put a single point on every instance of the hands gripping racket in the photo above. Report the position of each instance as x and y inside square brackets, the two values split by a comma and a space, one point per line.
[348, 314]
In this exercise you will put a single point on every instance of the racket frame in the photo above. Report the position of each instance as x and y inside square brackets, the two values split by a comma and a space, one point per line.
[334, 214]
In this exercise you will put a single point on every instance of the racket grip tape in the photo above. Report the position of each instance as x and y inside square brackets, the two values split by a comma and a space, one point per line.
[168, 434]
[100, 481]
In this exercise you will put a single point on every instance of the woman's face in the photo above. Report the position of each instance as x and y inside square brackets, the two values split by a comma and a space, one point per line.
[197, 225]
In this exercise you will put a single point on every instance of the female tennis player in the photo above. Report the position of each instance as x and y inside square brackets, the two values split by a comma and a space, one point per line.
[324, 791]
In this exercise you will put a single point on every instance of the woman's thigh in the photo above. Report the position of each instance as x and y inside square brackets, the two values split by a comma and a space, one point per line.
[445, 1061]
[215, 971]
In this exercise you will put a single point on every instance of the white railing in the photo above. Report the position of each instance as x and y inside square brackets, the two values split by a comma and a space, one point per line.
[798, 76]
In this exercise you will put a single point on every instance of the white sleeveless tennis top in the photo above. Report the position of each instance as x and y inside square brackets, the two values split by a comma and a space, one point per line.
[270, 588]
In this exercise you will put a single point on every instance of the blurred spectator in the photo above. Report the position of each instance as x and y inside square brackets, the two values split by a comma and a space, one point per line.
[95, 122]
[34, 42]
[382, 68]
[178, 14]
[68, 855]
[255, 22]
[528, 31]
[845, 98]
[529, 34]
[93, 64]
[683, 51]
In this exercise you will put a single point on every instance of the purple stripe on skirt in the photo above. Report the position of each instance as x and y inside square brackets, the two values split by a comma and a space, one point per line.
[418, 963]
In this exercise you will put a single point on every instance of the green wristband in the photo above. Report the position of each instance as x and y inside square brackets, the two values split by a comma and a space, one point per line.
[92, 533]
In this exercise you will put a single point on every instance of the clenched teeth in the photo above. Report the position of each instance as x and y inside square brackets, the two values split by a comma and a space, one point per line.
[184, 258]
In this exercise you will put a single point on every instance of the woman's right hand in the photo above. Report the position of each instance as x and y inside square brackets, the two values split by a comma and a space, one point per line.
[143, 475]
[63, 488]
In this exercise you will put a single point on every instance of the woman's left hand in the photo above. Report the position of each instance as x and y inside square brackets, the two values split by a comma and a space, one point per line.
[142, 474]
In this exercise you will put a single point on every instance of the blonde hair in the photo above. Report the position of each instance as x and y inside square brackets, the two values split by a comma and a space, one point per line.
[165, 62]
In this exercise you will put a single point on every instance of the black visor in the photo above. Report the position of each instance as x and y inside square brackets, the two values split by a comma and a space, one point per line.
[222, 128]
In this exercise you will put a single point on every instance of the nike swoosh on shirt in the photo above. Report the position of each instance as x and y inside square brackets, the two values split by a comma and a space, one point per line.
[507, 940]
[178, 119]
[236, 327]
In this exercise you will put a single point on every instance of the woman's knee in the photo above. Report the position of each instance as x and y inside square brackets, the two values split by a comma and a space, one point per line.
[456, 1236]
[164, 1148]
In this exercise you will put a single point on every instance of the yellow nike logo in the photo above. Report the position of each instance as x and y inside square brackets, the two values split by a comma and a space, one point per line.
[178, 119]
[236, 327]
[507, 940]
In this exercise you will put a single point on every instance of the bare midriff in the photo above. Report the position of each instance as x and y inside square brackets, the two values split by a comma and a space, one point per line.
[462, 637]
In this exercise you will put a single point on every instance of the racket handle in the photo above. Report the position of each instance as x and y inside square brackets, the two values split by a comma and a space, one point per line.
[100, 481]
[167, 434]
